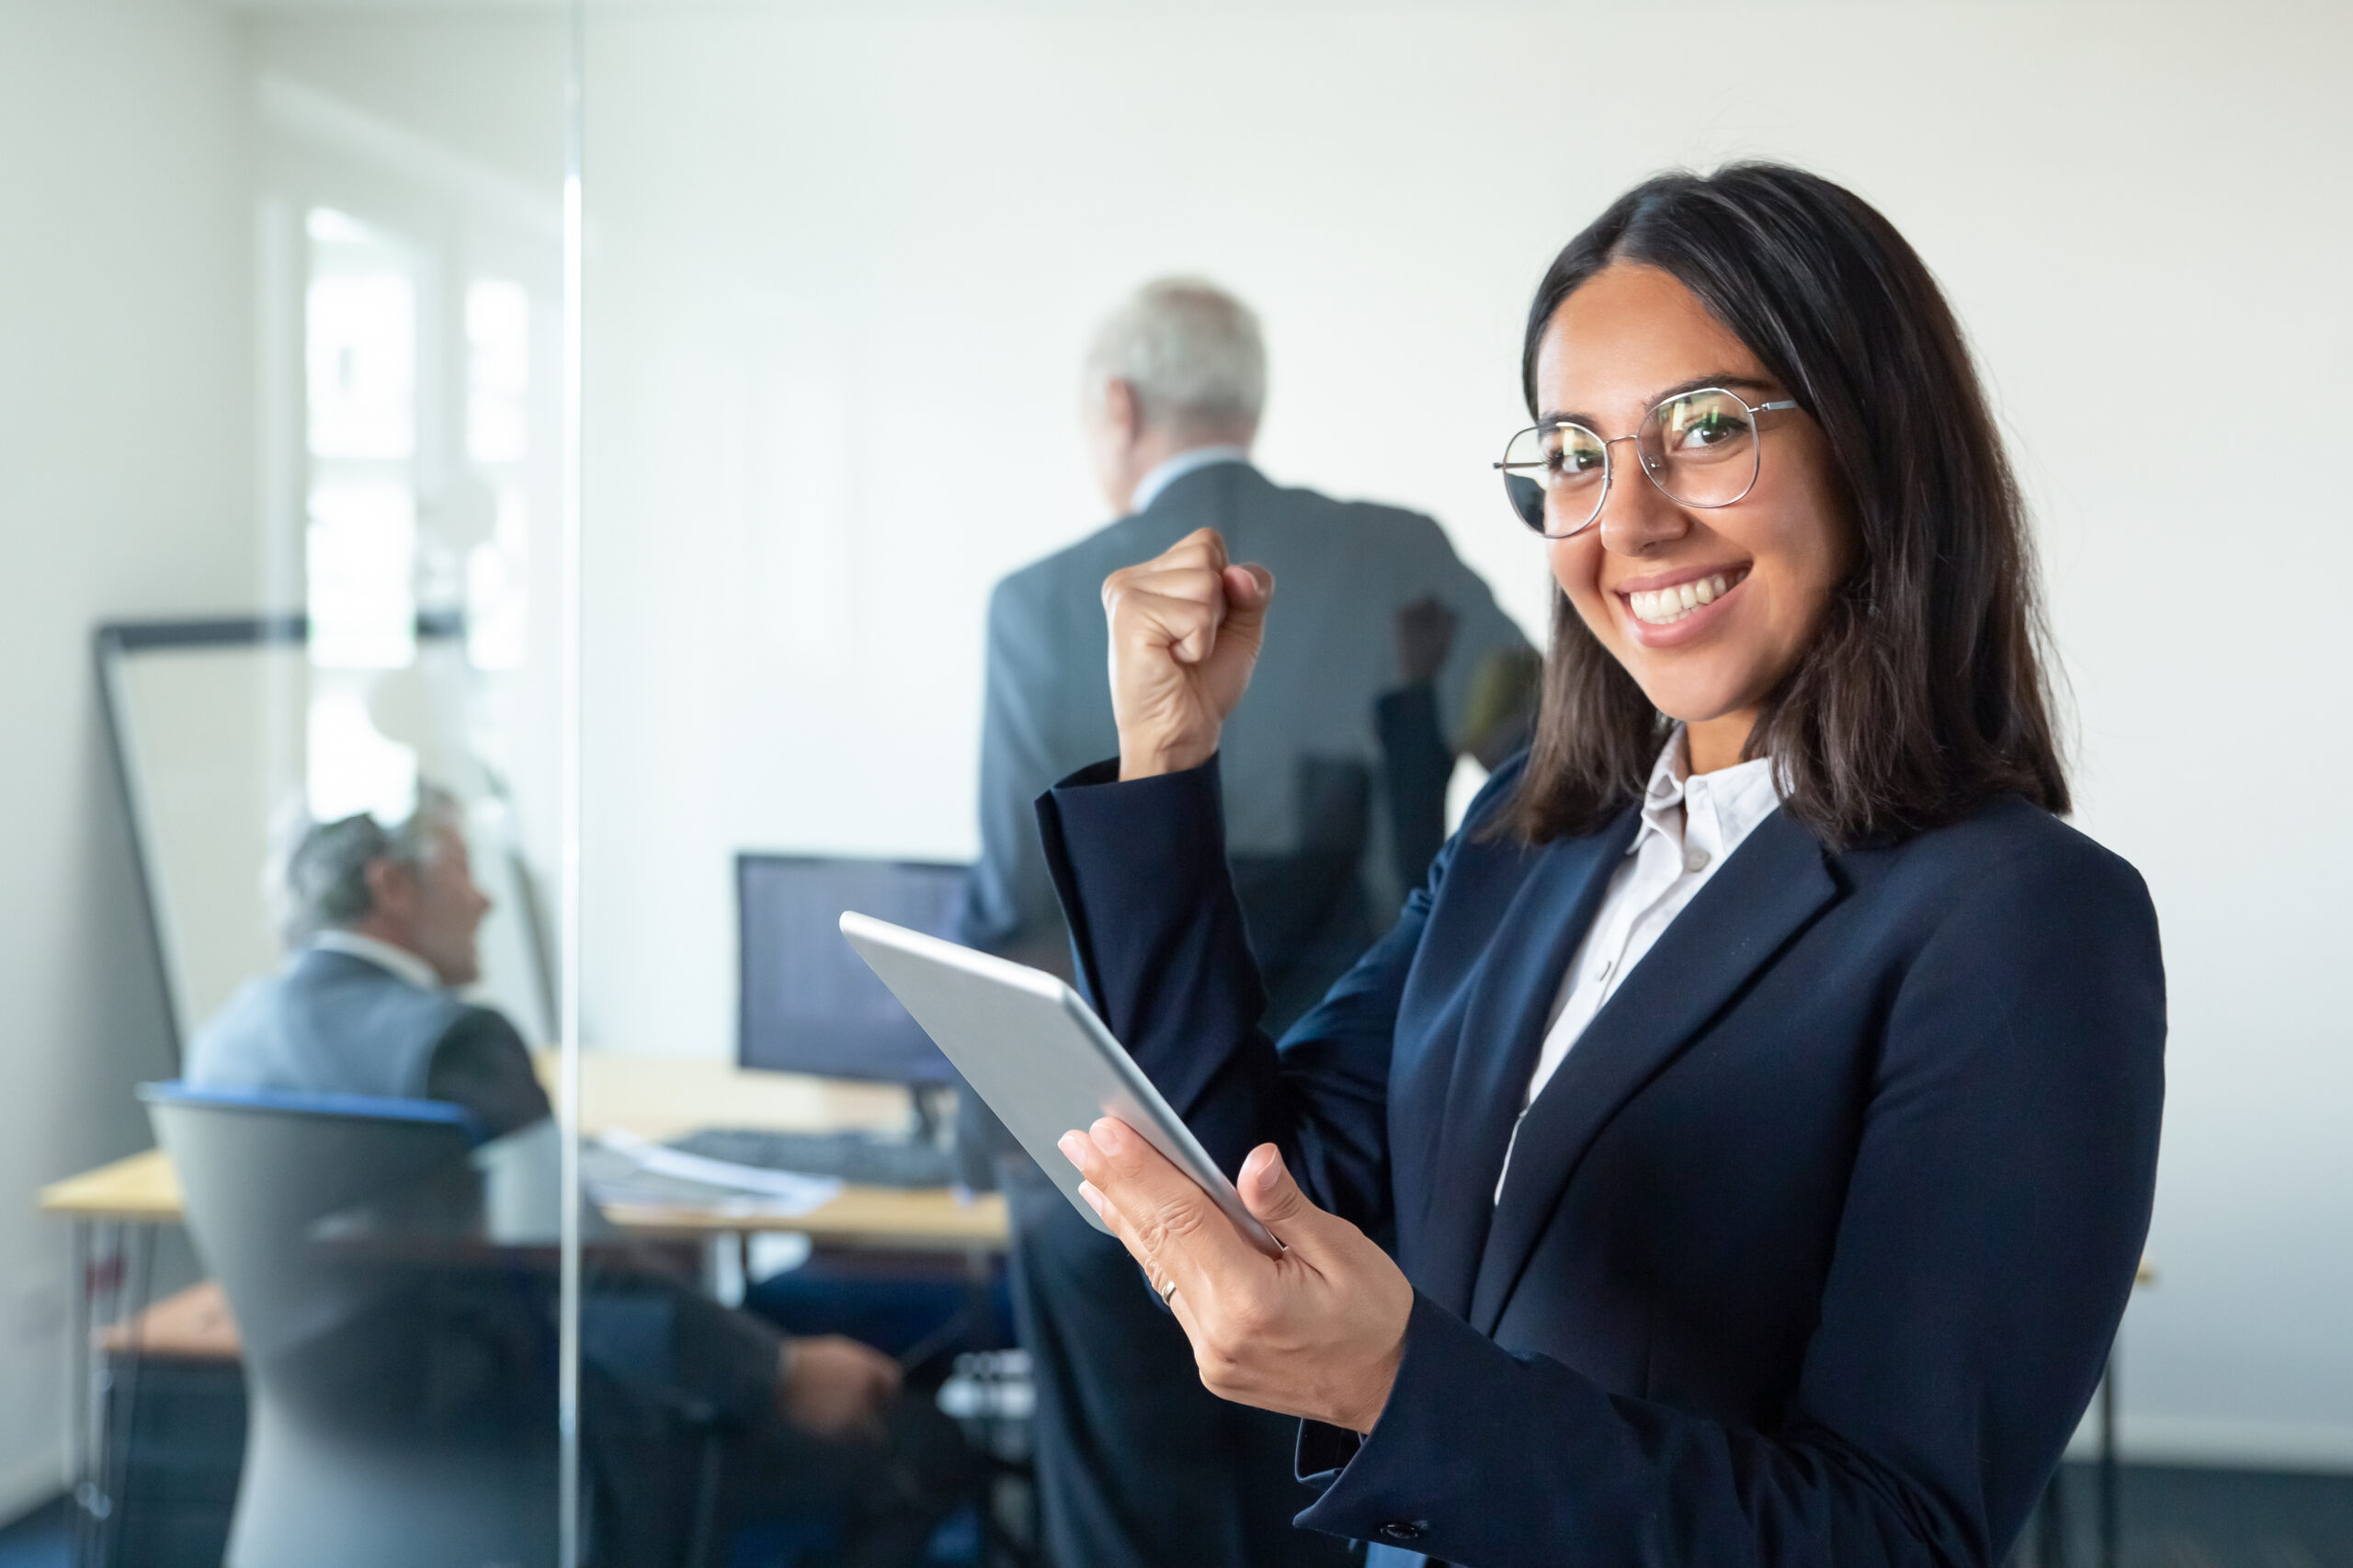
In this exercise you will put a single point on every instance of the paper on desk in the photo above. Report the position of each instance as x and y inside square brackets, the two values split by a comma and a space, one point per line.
[649, 1175]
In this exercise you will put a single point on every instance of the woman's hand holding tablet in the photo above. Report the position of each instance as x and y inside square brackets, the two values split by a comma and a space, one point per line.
[1038, 1054]
[1316, 1331]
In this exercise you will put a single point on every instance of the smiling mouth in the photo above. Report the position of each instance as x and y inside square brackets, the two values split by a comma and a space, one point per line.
[1665, 607]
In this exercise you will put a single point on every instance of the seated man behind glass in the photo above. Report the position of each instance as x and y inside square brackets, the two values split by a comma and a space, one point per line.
[382, 926]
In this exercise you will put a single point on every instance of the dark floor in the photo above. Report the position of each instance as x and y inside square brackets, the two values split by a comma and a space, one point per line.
[36, 1541]
[2172, 1518]
[2175, 1518]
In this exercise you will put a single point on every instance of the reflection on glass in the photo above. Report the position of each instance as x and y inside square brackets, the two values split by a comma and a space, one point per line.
[360, 547]
[498, 338]
[498, 591]
[352, 768]
[361, 340]
[359, 357]
[498, 439]
[342, 783]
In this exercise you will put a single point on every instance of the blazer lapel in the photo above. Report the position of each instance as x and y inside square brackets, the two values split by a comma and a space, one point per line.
[1772, 888]
[1502, 1030]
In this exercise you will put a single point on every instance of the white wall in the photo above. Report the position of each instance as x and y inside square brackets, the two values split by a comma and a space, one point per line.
[125, 451]
[843, 259]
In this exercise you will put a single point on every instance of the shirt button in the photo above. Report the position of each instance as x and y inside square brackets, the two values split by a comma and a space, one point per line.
[1695, 862]
[1404, 1529]
[1601, 971]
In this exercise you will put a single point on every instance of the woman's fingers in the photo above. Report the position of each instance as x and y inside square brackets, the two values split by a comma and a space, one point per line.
[1172, 1226]
[1248, 589]
[1202, 547]
[1175, 1300]
[1189, 592]
[1318, 1332]
[1155, 1269]
[1194, 567]
[1157, 613]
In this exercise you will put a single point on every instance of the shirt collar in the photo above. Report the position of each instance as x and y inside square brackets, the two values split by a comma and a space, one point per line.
[1171, 470]
[399, 962]
[1737, 797]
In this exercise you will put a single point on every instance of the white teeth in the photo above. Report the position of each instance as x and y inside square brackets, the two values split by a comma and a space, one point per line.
[1662, 606]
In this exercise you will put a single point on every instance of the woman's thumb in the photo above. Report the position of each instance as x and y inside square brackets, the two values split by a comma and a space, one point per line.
[1247, 589]
[1268, 1192]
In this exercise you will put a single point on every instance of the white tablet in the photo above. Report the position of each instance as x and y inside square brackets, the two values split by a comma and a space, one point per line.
[1038, 1055]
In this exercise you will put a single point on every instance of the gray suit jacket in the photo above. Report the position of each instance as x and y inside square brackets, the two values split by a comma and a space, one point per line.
[332, 1023]
[1342, 571]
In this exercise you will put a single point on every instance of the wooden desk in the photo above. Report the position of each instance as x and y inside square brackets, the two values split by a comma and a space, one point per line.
[140, 1191]
[193, 1324]
[656, 1099]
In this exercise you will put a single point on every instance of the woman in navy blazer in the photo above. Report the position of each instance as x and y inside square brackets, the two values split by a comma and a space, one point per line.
[1811, 1247]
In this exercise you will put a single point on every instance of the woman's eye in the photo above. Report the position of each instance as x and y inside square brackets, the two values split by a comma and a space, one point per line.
[1709, 430]
[1575, 455]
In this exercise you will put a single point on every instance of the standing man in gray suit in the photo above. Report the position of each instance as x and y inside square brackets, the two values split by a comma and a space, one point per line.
[1334, 776]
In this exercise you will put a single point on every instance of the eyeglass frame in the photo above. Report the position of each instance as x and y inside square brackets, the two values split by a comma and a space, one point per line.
[1609, 460]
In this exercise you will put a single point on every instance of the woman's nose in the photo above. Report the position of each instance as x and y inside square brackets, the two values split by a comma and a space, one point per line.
[1636, 515]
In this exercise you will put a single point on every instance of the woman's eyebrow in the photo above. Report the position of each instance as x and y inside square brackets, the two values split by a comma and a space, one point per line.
[1727, 379]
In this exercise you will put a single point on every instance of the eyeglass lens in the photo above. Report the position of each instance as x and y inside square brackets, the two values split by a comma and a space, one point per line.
[1699, 448]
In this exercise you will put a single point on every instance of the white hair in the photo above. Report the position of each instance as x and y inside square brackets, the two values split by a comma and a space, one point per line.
[326, 872]
[1192, 354]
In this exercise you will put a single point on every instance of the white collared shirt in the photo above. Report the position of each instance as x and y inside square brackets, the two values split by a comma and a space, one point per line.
[1170, 470]
[398, 961]
[1690, 826]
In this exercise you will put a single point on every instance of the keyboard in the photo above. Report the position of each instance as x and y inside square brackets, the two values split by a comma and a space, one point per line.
[862, 1158]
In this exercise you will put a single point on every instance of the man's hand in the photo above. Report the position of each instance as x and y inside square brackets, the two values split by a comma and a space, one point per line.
[1425, 636]
[1317, 1331]
[835, 1388]
[1186, 627]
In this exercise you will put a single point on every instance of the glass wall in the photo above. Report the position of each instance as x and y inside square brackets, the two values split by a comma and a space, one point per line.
[320, 1321]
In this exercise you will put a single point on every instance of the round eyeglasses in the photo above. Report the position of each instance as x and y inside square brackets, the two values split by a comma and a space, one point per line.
[1699, 448]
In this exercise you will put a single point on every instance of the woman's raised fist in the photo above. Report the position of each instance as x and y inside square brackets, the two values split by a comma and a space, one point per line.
[1186, 627]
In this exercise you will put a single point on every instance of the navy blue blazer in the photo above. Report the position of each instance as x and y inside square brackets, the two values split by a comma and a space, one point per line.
[1814, 1247]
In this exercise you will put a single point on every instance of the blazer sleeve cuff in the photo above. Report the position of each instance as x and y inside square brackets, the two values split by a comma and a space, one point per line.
[1155, 929]
[1120, 851]
[1427, 1477]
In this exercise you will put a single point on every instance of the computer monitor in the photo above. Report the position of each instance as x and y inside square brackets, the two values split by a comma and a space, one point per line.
[810, 1005]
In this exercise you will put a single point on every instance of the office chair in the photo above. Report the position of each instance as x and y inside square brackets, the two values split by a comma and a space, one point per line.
[401, 1416]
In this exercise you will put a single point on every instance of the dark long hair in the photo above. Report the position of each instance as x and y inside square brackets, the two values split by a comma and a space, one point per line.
[1923, 694]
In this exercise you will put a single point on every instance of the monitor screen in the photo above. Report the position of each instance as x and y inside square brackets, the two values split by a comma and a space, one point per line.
[810, 1005]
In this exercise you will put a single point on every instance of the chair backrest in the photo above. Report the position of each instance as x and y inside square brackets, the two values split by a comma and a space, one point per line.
[259, 1167]
[355, 1453]
[370, 1107]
